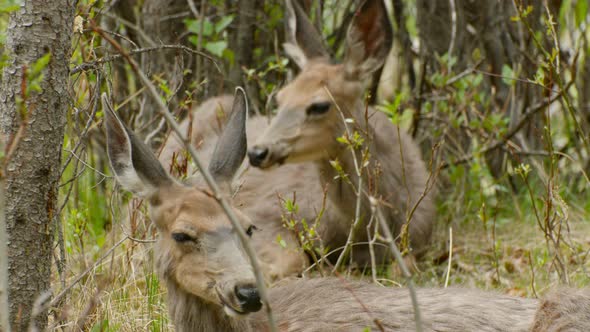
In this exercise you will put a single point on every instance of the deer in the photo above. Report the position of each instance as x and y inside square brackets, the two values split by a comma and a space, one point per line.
[563, 309]
[309, 120]
[210, 280]
[259, 192]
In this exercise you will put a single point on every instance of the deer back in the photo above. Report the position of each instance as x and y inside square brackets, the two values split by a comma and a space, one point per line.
[330, 304]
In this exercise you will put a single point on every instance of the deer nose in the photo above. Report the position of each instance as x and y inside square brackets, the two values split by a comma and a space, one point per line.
[248, 298]
[257, 155]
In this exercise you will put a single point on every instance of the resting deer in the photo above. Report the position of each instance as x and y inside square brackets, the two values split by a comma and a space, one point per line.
[309, 122]
[257, 192]
[210, 281]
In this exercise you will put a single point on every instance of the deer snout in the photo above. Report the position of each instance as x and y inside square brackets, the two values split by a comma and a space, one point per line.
[257, 155]
[248, 298]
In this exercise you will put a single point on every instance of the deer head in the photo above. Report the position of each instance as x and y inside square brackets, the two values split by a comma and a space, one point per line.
[307, 123]
[198, 250]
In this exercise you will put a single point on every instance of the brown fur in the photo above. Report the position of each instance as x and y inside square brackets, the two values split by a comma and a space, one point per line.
[563, 310]
[396, 175]
[335, 305]
[257, 192]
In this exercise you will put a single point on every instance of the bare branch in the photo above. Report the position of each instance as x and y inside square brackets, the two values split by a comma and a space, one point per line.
[89, 65]
[222, 200]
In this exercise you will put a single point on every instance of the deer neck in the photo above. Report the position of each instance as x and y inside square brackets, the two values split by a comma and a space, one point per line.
[340, 191]
[190, 313]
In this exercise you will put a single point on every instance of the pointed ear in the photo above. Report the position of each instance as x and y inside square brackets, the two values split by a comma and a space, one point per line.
[303, 40]
[231, 147]
[368, 40]
[135, 166]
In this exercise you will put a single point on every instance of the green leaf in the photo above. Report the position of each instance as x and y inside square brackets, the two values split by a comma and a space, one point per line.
[216, 48]
[223, 23]
[194, 26]
[281, 242]
[508, 75]
[8, 6]
[581, 11]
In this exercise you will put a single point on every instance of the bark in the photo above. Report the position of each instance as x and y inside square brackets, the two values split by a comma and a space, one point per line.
[34, 123]
[243, 47]
[244, 37]
[3, 263]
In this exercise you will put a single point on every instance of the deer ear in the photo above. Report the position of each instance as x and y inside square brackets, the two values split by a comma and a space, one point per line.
[368, 40]
[231, 147]
[135, 166]
[303, 40]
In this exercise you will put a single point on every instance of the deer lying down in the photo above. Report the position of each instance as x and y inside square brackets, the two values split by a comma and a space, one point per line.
[210, 282]
[309, 121]
[563, 310]
[257, 192]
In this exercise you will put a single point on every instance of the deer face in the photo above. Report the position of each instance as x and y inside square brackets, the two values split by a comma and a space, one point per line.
[308, 121]
[198, 249]
[309, 117]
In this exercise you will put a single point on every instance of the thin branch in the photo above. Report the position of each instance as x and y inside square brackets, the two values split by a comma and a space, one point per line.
[92, 64]
[374, 208]
[453, 30]
[450, 256]
[221, 199]
[531, 111]
[400, 261]
[131, 25]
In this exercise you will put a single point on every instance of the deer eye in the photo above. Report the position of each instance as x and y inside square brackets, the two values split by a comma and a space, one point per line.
[250, 230]
[318, 108]
[182, 237]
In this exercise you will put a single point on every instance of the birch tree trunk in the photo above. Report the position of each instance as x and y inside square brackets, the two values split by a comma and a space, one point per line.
[33, 120]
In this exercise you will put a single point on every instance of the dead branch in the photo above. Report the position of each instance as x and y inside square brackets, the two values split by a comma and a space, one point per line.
[221, 199]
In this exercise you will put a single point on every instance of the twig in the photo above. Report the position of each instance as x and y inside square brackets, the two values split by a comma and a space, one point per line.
[221, 199]
[450, 256]
[93, 64]
[358, 190]
[191, 5]
[400, 261]
[389, 237]
[362, 304]
[532, 110]
[453, 31]
[131, 25]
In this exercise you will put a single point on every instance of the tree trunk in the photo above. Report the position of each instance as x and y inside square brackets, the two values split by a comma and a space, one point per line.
[3, 263]
[34, 120]
[243, 48]
[167, 65]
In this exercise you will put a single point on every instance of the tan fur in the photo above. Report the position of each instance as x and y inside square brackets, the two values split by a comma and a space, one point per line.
[257, 192]
[399, 185]
[395, 175]
[563, 310]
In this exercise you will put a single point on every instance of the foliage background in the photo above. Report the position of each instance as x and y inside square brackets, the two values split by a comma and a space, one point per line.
[497, 94]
